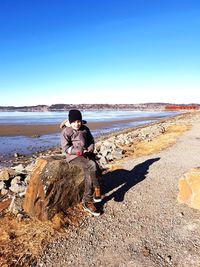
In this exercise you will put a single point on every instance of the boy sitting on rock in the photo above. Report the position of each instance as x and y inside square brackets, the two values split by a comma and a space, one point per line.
[78, 144]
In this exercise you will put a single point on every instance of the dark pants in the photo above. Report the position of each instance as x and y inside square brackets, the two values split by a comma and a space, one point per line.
[90, 168]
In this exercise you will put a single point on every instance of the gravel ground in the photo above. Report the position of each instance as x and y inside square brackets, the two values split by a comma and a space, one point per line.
[142, 223]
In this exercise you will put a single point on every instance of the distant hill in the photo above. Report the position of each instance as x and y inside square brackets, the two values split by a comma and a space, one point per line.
[63, 107]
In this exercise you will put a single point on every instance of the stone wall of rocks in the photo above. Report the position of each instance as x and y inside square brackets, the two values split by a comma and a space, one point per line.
[113, 147]
[13, 185]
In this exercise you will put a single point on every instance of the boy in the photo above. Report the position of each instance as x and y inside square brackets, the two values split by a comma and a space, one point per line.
[78, 144]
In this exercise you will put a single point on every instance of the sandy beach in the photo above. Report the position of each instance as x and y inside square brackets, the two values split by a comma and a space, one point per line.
[35, 130]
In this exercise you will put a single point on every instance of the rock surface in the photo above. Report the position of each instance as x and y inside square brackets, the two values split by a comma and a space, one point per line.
[54, 186]
[189, 189]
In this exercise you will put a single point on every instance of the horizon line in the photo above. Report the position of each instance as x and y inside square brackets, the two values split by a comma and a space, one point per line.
[95, 104]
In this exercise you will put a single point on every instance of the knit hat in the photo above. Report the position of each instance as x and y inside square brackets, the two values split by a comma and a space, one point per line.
[74, 115]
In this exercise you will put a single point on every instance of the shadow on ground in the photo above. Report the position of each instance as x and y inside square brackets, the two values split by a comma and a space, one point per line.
[122, 180]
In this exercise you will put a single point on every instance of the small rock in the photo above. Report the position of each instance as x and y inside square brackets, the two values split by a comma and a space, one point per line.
[2, 185]
[4, 175]
[19, 168]
[17, 188]
[16, 180]
[4, 191]
[103, 161]
[146, 251]
[15, 205]
[35, 136]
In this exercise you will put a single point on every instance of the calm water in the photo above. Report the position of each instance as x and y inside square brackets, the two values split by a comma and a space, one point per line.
[57, 117]
[28, 145]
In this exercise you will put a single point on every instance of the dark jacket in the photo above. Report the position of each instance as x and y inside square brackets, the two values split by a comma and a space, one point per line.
[74, 142]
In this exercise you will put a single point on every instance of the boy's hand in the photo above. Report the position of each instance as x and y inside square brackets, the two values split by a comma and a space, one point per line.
[77, 151]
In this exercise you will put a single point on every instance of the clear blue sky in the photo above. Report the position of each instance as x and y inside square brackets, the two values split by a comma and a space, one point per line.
[99, 51]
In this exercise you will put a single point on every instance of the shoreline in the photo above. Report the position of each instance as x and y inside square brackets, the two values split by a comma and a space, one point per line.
[33, 151]
[42, 129]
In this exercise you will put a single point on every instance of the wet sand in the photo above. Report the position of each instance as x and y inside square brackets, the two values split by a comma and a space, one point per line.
[38, 130]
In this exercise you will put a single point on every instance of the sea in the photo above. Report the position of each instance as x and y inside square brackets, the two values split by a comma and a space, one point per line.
[27, 145]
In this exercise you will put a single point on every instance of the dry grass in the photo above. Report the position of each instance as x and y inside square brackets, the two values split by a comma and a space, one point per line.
[160, 143]
[22, 241]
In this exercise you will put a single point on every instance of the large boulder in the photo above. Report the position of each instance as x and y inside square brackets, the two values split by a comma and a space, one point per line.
[54, 186]
[189, 189]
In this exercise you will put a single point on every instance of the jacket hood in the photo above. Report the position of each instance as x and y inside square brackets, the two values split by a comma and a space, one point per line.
[66, 123]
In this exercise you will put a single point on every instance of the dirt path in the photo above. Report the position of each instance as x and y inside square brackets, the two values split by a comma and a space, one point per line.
[142, 224]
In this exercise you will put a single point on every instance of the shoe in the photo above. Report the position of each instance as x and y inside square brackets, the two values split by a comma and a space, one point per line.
[89, 206]
[97, 195]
